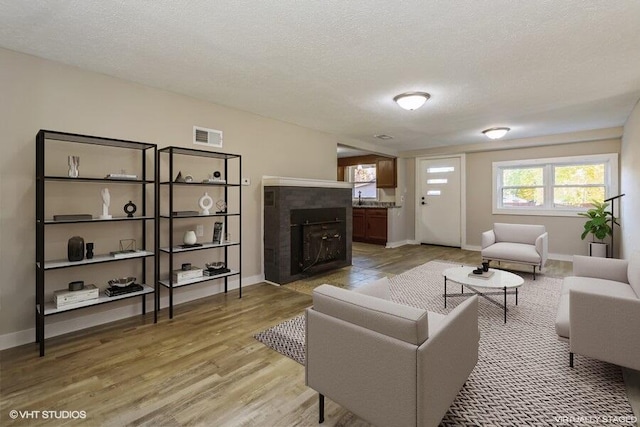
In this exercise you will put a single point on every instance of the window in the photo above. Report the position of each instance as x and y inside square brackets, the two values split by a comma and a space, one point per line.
[364, 179]
[558, 186]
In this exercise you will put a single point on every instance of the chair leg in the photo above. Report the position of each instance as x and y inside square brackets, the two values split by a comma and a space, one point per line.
[534, 272]
[321, 408]
[570, 360]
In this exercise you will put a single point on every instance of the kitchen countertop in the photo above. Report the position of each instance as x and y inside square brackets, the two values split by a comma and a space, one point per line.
[376, 205]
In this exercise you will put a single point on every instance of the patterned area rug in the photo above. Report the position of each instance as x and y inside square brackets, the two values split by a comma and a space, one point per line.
[522, 376]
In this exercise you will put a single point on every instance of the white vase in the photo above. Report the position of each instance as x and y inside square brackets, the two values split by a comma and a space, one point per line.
[190, 238]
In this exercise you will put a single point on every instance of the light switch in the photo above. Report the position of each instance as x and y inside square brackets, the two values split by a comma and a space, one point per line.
[200, 230]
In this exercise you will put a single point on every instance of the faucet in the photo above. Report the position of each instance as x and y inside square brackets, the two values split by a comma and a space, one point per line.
[359, 198]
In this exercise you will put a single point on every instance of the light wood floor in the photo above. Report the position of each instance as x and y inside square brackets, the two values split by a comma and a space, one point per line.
[203, 367]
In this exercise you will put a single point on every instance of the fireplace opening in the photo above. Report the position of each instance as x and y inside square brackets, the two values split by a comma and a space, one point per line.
[318, 239]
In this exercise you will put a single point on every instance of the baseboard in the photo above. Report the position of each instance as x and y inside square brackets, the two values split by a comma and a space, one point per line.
[14, 339]
[553, 256]
[391, 245]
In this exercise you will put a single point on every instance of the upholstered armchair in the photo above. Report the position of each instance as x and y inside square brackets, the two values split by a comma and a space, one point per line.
[518, 243]
[388, 363]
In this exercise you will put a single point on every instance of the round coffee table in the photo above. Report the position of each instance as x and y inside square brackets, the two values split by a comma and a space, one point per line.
[500, 279]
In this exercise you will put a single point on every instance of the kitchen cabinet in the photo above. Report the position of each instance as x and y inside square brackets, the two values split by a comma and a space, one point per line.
[340, 173]
[386, 174]
[370, 225]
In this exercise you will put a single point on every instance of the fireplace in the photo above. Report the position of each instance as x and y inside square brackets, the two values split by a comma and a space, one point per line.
[318, 239]
[307, 227]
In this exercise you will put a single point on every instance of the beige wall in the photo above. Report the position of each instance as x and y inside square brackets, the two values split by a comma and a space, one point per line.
[40, 94]
[564, 232]
[629, 182]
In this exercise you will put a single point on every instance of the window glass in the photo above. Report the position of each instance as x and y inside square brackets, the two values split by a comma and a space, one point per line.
[364, 179]
[522, 177]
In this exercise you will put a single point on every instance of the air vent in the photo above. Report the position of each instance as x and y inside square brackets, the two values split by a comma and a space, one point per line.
[210, 137]
[383, 136]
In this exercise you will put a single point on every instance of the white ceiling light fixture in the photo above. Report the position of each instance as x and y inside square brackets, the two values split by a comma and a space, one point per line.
[496, 133]
[411, 100]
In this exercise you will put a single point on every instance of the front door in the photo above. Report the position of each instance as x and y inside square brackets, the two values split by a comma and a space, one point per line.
[439, 201]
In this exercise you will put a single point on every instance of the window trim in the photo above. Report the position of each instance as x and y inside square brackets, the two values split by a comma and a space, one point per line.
[611, 182]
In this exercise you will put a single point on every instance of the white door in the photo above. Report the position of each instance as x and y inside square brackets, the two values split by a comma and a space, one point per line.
[439, 201]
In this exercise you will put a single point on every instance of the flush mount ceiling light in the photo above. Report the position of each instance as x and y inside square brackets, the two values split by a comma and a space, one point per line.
[411, 100]
[496, 133]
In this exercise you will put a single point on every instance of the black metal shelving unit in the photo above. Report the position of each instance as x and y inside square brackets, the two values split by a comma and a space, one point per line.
[173, 153]
[149, 167]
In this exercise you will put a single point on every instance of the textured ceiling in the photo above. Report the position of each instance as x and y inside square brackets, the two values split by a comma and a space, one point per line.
[540, 67]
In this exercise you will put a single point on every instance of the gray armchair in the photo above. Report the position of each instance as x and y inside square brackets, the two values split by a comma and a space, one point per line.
[518, 243]
[388, 363]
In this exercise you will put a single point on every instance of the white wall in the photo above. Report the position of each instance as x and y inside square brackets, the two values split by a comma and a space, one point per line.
[629, 183]
[41, 94]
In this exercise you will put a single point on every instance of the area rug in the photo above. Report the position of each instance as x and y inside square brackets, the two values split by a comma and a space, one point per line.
[522, 376]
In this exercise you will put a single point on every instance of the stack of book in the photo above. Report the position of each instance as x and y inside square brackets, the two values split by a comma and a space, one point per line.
[65, 297]
[216, 271]
[114, 291]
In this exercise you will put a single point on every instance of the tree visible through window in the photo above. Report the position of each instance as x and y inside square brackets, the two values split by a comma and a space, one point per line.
[553, 186]
[364, 179]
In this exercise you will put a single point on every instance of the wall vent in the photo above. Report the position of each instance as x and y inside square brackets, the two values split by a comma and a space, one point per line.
[210, 137]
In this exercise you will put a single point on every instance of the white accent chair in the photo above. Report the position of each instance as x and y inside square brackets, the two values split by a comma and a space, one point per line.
[388, 363]
[518, 243]
[599, 310]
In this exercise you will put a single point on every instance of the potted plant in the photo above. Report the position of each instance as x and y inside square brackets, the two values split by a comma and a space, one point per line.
[599, 225]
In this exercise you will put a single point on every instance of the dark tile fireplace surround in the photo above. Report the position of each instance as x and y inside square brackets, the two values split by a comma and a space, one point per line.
[307, 230]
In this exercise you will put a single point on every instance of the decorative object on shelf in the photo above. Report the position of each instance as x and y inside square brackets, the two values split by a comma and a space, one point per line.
[106, 201]
[205, 202]
[182, 275]
[222, 206]
[74, 163]
[179, 177]
[76, 285]
[122, 175]
[130, 208]
[75, 249]
[188, 178]
[89, 250]
[217, 233]
[215, 178]
[72, 217]
[64, 297]
[127, 249]
[186, 266]
[121, 282]
[190, 237]
[215, 268]
[114, 291]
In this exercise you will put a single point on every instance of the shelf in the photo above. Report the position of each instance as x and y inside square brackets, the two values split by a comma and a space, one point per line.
[207, 184]
[63, 263]
[177, 249]
[101, 180]
[118, 218]
[199, 215]
[198, 153]
[94, 140]
[200, 279]
[50, 307]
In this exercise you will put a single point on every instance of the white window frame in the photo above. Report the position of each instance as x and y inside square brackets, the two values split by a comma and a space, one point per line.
[610, 160]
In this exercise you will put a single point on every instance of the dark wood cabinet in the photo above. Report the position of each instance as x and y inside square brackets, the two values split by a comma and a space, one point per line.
[386, 175]
[370, 225]
[340, 173]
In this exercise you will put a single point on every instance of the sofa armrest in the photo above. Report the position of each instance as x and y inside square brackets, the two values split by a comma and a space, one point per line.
[488, 238]
[446, 360]
[605, 327]
[542, 247]
[600, 268]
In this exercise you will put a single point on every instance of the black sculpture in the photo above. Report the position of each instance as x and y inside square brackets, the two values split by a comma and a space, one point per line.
[75, 249]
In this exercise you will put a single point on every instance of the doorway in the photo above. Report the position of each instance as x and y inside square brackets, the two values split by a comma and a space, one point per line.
[439, 207]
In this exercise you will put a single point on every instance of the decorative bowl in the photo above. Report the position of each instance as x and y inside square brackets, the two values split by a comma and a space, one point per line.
[122, 282]
[216, 265]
